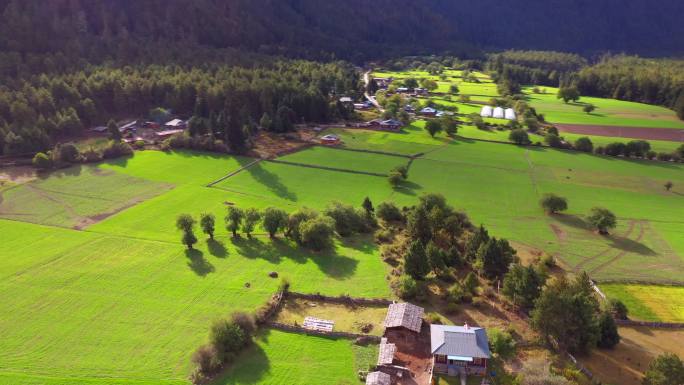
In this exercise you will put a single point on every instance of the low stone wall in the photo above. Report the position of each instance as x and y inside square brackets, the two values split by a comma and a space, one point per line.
[663, 325]
[370, 151]
[333, 334]
[345, 300]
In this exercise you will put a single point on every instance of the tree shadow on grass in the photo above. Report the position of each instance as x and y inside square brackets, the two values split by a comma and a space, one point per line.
[217, 248]
[632, 246]
[248, 368]
[572, 221]
[197, 263]
[271, 181]
[408, 188]
[330, 262]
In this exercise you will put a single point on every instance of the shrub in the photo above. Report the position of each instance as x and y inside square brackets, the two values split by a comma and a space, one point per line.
[348, 220]
[519, 136]
[389, 212]
[548, 261]
[207, 360]
[501, 343]
[228, 339]
[139, 144]
[67, 153]
[317, 233]
[394, 178]
[383, 236]
[408, 287]
[245, 322]
[42, 161]
[553, 141]
[284, 285]
[618, 309]
[115, 149]
[663, 156]
[666, 369]
[295, 219]
[584, 144]
[457, 294]
[615, 149]
[92, 155]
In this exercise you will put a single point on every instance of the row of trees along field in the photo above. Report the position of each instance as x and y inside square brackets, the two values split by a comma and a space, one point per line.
[36, 110]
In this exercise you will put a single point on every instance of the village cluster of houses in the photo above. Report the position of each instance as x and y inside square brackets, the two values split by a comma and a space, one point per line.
[148, 130]
[384, 83]
[498, 113]
[454, 350]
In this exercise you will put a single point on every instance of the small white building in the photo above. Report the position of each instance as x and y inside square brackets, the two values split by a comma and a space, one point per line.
[510, 114]
[486, 112]
[498, 113]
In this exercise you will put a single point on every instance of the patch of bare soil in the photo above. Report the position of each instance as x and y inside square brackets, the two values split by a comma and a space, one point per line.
[647, 133]
[626, 363]
[270, 145]
[413, 352]
[560, 234]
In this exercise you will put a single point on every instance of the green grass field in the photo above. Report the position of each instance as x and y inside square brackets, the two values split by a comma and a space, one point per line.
[609, 112]
[287, 358]
[648, 302]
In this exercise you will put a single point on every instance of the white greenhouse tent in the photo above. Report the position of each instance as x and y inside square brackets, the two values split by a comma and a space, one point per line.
[486, 112]
[498, 113]
[510, 114]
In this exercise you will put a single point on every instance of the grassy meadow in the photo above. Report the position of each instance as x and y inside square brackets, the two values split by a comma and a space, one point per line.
[287, 358]
[609, 112]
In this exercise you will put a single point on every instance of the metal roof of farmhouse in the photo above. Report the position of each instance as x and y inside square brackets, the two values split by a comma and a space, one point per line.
[463, 341]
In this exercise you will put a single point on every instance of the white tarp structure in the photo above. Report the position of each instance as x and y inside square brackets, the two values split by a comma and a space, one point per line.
[510, 114]
[498, 113]
[486, 112]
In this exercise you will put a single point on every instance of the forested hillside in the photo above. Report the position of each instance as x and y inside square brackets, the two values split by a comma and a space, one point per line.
[354, 29]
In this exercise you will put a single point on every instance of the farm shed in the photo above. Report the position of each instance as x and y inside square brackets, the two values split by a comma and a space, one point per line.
[390, 124]
[175, 123]
[378, 378]
[509, 114]
[404, 315]
[428, 111]
[330, 139]
[386, 352]
[498, 113]
[486, 112]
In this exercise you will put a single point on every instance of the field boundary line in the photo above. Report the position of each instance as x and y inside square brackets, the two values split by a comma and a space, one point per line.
[326, 168]
[366, 151]
[234, 172]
